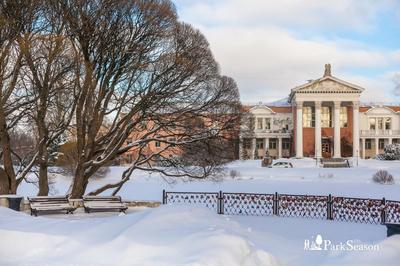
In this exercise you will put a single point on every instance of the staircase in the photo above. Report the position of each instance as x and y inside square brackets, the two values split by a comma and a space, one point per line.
[335, 163]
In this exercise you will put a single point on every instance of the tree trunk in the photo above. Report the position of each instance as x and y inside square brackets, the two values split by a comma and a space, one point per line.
[11, 184]
[43, 176]
[43, 154]
[4, 186]
[78, 184]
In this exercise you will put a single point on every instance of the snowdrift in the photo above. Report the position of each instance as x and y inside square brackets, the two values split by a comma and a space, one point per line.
[169, 235]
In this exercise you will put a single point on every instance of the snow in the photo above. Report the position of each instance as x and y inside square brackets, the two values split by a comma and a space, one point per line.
[304, 178]
[164, 236]
[184, 235]
[190, 235]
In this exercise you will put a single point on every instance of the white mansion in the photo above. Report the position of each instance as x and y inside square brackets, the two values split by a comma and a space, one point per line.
[324, 118]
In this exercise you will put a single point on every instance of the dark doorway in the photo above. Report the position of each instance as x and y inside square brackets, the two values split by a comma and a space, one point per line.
[326, 148]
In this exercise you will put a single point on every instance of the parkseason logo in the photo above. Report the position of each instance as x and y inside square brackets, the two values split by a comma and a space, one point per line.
[321, 244]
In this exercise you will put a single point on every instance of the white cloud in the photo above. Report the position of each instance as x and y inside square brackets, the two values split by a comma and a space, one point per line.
[267, 62]
[311, 13]
[254, 44]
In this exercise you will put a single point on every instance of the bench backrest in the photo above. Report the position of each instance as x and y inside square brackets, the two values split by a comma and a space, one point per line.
[48, 201]
[102, 198]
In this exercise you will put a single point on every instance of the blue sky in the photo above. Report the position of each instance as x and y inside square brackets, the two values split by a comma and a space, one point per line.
[270, 46]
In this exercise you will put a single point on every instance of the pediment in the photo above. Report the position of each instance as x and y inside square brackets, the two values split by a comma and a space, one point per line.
[261, 109]
[328, 85]
[380, 110]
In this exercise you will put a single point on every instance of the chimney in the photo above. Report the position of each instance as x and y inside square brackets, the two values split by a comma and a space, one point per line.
[328, 72]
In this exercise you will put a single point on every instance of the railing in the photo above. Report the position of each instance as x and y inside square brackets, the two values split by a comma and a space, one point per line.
[379, 132]
[362, 210]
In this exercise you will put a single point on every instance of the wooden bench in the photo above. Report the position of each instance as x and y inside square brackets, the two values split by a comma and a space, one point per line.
[49, 204]
[103, 203]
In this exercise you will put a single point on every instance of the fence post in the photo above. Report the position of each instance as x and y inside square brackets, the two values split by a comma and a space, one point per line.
[220, 203]
[164, 197]
[329, 211]
[383, 211]
[275, 207]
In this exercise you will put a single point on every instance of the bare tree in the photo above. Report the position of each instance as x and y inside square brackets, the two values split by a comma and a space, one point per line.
[110, 71]
[247, 129]
[16, 17]
[49, 77]
[140, 65]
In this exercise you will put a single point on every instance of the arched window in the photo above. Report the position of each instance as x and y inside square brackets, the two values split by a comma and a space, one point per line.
[308, 116]
[326, 117]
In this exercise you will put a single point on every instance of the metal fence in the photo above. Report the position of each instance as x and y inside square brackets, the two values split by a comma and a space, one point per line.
[362, 210]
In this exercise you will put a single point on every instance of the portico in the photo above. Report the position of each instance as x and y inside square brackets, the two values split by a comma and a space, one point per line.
[326, 108]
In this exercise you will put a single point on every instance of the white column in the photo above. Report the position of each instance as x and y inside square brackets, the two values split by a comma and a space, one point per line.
[336, 125]
[376, 126]
[266, 144]
[376, 146]
[390, 141]
[253, 148]
[299, 129]
[279, 147]
[356, 130]
[363, 148]
[318, 152]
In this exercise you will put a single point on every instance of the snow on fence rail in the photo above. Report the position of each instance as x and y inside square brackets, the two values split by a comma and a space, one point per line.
[374, 211]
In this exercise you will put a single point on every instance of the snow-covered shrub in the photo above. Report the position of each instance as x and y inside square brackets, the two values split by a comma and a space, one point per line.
[234, 174]
[383, 177]
[392, 152]
[325, 175]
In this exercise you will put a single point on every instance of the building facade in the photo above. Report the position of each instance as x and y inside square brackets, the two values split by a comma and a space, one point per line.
[323, 118]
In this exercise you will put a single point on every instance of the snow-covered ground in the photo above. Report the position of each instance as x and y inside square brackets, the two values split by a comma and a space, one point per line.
[186, 235]
[190, 235]
[304, 178]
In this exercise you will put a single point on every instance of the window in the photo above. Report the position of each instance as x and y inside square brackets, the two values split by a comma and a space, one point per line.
[286, 144]
[368, 144]
[380, 123]
[272, 144]
[259, 123]
[388, 123]
[267, 123]
[158, 144]
[260, 144]
[343, 116]
[326, 118]
[308, 116]
[381, 144]
[372, 123]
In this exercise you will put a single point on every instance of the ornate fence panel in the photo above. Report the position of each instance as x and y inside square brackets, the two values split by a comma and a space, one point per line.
[248, 204]
[205, 199]
[373, 211]
[307, 206]
[357, 210]
[392, 209]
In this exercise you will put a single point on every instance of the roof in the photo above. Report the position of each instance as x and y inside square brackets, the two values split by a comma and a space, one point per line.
[394, 108]
[281, 109]
[354, 88]
[327, 76]
[275, 109]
